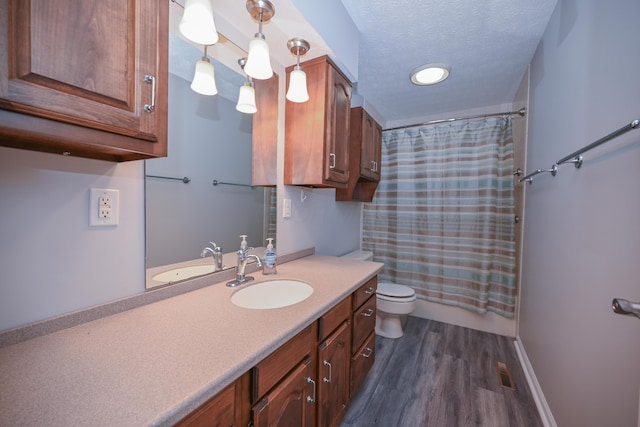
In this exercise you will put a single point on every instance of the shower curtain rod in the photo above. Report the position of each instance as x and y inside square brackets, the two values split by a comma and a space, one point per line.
[521, 112]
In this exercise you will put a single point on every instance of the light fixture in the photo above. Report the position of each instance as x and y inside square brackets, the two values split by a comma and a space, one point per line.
[204, 80]
[258, 63]
[298, 78]
[247, 95]
[197, 22]
[430, 74]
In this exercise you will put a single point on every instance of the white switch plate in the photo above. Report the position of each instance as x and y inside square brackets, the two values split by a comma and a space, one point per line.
[286, 208]
[103, 207]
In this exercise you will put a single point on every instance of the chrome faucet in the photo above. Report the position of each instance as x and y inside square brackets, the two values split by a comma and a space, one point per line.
[216, 254]
[243, 257]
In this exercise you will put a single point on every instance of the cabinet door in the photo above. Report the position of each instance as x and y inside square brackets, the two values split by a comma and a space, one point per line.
[370, 148]
[334, 359]
[367, 165]
[337, 128]
[291, 403]
[94, 64]
[222, 410]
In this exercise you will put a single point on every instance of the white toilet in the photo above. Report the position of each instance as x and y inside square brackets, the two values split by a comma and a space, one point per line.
[392, 301]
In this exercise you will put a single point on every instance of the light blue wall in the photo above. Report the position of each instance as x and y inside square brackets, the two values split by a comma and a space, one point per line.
[52, 262]
[581, 231]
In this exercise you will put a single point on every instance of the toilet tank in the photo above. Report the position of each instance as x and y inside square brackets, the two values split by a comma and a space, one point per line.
[359, 255]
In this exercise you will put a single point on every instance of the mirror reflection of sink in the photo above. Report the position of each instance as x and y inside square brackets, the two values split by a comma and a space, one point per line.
[183, 273]
[272, 294]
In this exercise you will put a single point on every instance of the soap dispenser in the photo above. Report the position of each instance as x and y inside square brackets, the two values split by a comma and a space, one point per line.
[269, 258]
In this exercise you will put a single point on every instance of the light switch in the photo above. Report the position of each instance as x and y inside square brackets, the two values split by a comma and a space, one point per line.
[286, 208]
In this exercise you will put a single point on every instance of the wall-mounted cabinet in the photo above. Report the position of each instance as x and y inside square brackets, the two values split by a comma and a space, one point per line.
[97, 89]
[317, 131]
[365, 152]
[265, 133]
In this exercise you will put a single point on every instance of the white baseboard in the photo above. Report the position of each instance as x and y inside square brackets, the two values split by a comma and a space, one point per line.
[538, 396]
[488, 322]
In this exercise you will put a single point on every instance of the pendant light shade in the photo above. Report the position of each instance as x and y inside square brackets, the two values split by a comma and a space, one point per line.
[297, 86]
[258, 62]
[204, 79]
[197, 22]
[247, 99]
[297, 91]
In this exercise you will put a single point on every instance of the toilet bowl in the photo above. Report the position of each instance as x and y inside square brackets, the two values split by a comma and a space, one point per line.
[392, 301]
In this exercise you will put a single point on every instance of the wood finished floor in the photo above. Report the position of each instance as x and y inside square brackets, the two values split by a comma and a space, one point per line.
[440, 375]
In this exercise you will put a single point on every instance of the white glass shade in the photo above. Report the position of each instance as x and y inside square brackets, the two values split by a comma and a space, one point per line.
[247, 99]
[204, 80]
[197, 22]
[258, 63]
[297, 86]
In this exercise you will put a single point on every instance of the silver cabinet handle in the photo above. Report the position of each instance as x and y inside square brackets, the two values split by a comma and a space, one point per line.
[370, 291]
[309, 398]
[325, 379]
[622, 306]
[332, 160]
[370, 350]
[148, 108]
[368, 313]
[374, 166]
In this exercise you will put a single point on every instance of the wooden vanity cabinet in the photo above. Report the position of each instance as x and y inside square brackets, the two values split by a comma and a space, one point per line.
[334, 363]
[363, 341]
[309, 380]
[284, 384]
[85, 78]
[317, 131]
[365, 154]
[265, 133]
[227, 408]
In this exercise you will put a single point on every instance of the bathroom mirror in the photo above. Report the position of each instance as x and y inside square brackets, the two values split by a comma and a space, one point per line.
[209, 142]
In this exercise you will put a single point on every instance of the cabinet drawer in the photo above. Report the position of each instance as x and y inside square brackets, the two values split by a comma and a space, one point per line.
[364, 322]
[275, 366]
[333, 318]
[361, 362]
[364, 292]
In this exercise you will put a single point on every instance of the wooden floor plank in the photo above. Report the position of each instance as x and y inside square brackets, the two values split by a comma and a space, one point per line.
[442, 375]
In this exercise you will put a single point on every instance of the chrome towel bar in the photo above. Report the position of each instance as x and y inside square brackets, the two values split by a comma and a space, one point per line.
[185, 179]
[576, 156]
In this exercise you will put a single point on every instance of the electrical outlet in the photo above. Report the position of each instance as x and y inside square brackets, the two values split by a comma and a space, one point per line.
[103, 206]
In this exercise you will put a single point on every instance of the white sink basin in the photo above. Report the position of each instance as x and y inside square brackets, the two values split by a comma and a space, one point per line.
[183, 273]
[272, 294]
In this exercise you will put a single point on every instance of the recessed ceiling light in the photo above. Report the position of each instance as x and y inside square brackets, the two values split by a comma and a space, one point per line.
[430, 74]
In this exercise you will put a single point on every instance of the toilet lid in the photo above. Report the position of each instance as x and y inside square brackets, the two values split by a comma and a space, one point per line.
[394, 290]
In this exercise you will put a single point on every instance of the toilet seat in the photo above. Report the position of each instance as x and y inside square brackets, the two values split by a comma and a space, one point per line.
[393, 292]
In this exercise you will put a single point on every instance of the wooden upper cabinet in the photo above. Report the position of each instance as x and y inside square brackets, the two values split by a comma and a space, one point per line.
[265, 133]
[86, 78]
[365, 152]
[317, 131]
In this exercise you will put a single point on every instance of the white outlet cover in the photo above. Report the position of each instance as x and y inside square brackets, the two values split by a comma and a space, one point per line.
[94, 207]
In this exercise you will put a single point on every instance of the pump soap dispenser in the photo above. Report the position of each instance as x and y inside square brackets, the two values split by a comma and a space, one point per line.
[269, 258]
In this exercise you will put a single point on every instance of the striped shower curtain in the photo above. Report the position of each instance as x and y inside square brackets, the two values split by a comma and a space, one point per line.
[442, 219]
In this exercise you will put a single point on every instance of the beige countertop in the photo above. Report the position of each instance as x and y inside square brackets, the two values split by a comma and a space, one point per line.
[154, 364]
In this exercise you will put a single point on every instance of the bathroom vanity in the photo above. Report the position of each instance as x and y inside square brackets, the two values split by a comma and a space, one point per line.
[198, 355]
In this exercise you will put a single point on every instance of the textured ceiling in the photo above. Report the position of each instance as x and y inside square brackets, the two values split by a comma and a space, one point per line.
[488, 45]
